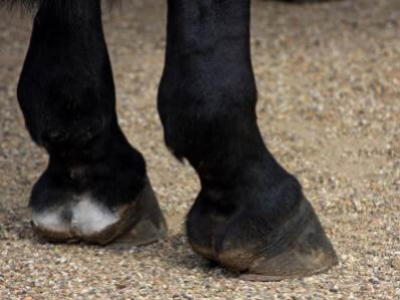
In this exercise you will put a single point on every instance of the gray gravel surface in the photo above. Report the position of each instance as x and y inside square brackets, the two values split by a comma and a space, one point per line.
[328, 76]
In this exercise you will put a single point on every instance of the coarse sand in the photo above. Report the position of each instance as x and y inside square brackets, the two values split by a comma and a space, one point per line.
[328, 79]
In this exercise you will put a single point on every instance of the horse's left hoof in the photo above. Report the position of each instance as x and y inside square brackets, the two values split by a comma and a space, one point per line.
[309, 253]
[266, 233]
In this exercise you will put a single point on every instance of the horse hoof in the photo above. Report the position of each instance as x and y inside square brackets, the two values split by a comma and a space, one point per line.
[84, 218]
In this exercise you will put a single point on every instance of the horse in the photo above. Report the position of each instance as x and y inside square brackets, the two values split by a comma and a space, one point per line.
[250, 215]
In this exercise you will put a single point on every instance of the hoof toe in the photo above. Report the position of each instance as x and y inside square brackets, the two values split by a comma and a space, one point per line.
[310, 253]
[150, 228]
[144, 233]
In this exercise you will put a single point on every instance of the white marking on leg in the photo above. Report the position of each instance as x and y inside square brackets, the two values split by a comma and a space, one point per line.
[90, 217]
[50, 221]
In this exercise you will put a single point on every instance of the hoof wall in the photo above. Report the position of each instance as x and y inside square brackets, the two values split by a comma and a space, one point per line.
[85, 219]
[144, 233]
[310, 253]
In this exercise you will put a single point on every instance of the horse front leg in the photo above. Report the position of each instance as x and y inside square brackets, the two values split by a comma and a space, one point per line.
[95, 187]
[251, 214]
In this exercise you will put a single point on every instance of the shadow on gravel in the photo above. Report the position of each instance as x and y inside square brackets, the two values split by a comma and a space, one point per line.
[181, 255]
[15, 224]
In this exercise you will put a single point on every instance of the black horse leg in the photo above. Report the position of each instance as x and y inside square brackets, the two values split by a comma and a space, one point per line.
[250, 214]
[95, 187]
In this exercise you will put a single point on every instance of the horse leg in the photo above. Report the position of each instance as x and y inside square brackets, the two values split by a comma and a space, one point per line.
[250, 214]
[95, 187]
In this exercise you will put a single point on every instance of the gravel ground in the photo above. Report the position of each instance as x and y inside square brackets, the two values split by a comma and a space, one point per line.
[329, 102]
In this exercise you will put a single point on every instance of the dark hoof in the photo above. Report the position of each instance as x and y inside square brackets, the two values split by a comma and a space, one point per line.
[309, 253]
[150, 228]
[84, 218]
[266, 240]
